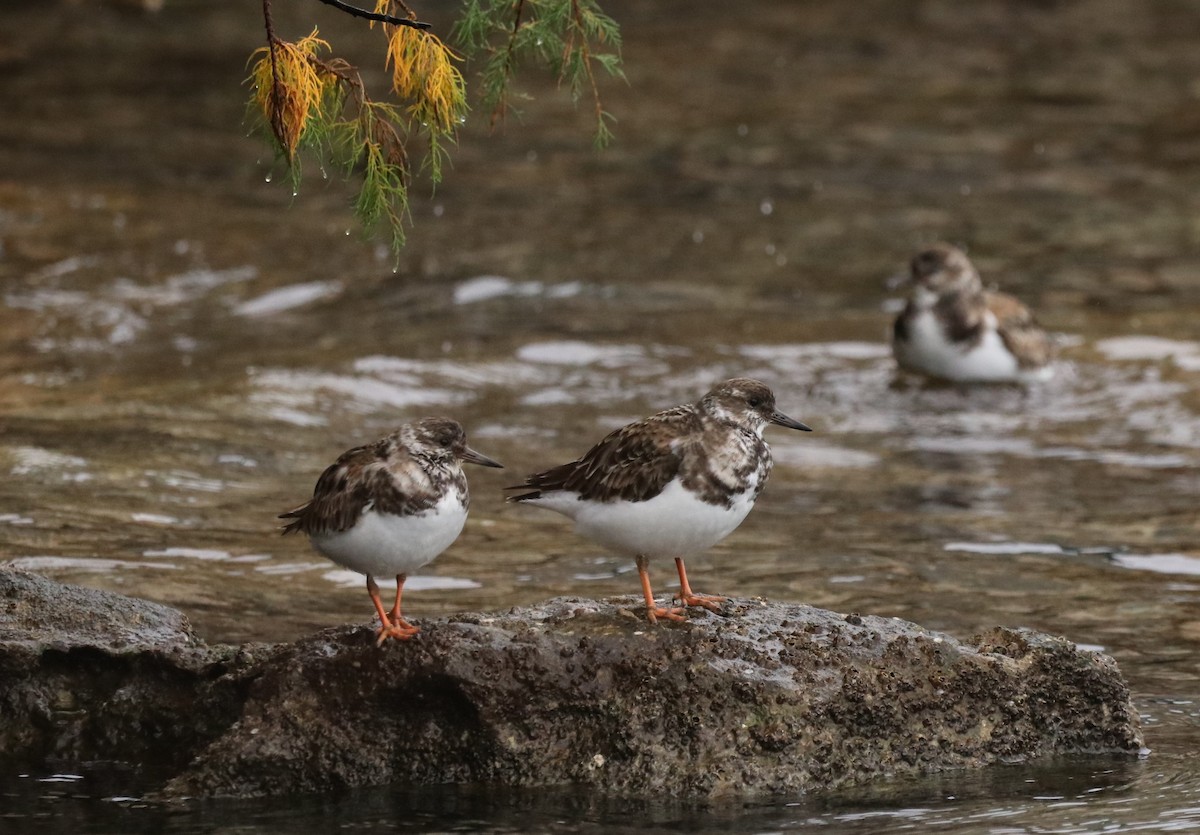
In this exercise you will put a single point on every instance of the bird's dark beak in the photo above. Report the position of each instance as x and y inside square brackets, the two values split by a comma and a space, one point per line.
[780, 419]
[472, 457]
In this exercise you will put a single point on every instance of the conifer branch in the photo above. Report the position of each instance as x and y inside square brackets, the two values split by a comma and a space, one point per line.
[310, 102]
[509, 60]
[586, 53]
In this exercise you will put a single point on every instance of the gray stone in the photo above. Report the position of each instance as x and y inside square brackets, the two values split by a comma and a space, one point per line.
[91, 675]
[764, 698]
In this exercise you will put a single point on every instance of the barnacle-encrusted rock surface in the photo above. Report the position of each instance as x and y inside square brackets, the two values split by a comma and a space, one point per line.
[767, 697]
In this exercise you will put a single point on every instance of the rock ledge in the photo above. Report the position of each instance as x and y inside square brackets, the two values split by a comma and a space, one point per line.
[765, 698]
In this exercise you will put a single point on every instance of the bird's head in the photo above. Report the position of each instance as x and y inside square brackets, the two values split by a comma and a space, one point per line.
[442, 439]
[943, 268]
[747, 403]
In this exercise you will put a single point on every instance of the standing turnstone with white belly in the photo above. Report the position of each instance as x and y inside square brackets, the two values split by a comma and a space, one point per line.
[670, 485]
[953, 329]
[390, 507]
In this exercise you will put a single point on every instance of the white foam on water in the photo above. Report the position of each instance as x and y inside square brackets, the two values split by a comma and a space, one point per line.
[290, 389]
[819, 456]
[179, 288]
[572, 352]
[291, 567]
[31, 459]
[51, 563]
[1160, 563]
[294, 416]
[344, 578]
[189, 553]
[250, 558]
[975, 445]
[484, 287]
[154, 519]
[234, 458]
[1120, 458]
[1005, 548]
[191, 481]
[1147, 348]
[415, 372]
[839, 350]
[288, 298]
[67, 266]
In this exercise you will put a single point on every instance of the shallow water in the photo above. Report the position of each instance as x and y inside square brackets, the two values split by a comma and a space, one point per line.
[184, 347]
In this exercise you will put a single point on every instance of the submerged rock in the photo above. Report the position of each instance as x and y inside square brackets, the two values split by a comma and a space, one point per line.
[767, 697]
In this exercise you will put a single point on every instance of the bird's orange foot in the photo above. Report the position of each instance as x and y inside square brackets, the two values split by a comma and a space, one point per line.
[653, 613]
[397, 620]
[400, 631]
[708, 601]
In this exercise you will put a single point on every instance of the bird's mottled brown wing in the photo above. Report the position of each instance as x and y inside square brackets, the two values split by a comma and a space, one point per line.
[962, 316]
[1021, 334]
[633, 463]
[360, 477]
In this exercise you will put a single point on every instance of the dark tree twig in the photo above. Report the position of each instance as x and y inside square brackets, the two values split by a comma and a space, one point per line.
[276, 86]
[381, 18]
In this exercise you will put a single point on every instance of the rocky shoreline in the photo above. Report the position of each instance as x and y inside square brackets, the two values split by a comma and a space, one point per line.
[763, 698]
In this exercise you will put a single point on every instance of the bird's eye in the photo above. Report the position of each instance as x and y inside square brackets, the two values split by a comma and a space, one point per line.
[755, 402]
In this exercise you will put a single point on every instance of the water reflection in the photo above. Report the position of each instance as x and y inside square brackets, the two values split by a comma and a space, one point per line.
[1069, 797]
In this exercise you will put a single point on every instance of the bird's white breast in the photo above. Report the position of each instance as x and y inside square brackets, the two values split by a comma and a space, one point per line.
[384, 544]
[929, 351]
[672, 524]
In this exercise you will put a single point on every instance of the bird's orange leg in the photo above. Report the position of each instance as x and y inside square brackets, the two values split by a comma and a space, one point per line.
[653, 612]
[688, 598]
[388, 629]
[397, 618]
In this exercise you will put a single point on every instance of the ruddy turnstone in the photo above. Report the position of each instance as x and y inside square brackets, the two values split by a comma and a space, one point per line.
[955, 330]
[670, 485]
[390, 507]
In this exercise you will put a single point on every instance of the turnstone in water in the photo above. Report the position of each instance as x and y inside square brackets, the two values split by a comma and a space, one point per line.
[390, 507]
[670, 485]
[953, 329]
